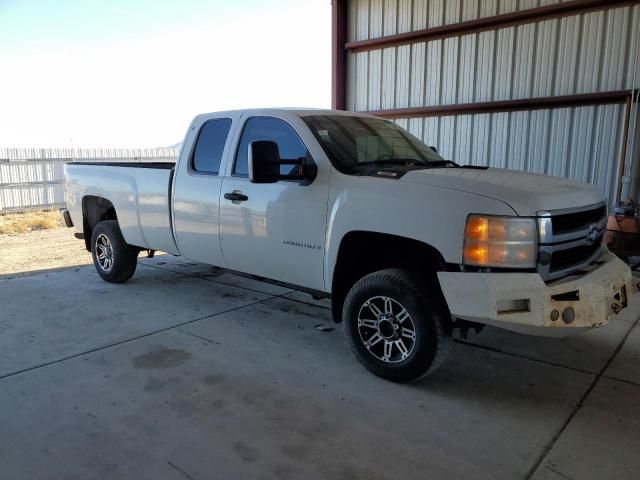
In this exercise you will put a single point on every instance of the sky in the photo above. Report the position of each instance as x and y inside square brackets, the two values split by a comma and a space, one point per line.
[133, 73]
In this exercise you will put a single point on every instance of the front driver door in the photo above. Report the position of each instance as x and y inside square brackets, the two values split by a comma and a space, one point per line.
[278, 231]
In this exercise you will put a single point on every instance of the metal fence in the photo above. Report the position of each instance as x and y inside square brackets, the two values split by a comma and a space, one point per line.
[32, 178]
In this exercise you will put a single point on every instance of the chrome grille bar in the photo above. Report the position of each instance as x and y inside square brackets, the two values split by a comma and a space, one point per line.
[588, 234]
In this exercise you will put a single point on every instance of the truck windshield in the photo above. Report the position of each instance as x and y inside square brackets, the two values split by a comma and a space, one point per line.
[354, 143]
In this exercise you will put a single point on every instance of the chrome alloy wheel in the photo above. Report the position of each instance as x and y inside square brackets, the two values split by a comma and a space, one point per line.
[386, 329]
[104, 252]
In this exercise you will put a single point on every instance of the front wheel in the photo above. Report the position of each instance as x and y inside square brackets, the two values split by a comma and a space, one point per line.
[114, 259]
[397, 328]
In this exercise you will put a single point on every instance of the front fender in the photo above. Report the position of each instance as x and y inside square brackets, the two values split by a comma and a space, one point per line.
[429, 214]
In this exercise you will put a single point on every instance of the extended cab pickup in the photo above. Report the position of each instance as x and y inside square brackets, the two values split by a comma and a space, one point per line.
[406, 244]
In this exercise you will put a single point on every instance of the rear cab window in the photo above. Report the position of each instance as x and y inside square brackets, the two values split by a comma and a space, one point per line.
[207, 154]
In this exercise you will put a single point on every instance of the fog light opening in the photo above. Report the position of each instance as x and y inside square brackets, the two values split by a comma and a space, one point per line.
[555, 314]
[514, 306]
[568, 315]
[572, 296]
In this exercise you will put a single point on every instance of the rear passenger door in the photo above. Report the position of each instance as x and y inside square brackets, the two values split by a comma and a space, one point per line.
[196, 190]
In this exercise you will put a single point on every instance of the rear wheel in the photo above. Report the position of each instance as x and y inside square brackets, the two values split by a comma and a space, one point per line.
[397, 327]
[114, 259]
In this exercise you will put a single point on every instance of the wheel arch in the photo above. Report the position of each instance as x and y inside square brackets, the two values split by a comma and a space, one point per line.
[363, 252]
[95, 209]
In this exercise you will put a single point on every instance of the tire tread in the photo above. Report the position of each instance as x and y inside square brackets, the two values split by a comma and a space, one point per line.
[433, 305]
[125, 255]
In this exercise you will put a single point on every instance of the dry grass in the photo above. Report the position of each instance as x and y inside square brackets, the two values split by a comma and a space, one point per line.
[41, 250]
[16, 223]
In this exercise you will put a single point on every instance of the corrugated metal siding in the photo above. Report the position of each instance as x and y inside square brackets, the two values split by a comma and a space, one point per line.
[634, 152]
[580, 143]
[398, 16]
[33, 177]
[571, 55]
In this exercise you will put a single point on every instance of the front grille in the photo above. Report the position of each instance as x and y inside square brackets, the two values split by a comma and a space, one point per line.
[574, 221]
[569, 239]
[572, 257]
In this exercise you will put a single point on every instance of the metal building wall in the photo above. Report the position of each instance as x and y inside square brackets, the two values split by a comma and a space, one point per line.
[584, 53]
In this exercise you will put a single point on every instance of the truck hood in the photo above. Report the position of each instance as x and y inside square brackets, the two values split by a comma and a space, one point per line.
[525, 193]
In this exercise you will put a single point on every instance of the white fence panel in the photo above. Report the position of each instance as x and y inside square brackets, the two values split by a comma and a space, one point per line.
[33, 177]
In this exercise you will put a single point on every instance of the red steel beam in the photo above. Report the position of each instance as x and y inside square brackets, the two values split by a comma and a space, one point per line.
[338, 54]
[530, 15]
[561, 101]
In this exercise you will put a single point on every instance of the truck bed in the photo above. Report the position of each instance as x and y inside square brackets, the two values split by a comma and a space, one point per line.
[139, 192]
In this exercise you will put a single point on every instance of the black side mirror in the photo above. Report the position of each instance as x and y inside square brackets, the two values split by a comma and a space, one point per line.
[264, 162]
[433, 148]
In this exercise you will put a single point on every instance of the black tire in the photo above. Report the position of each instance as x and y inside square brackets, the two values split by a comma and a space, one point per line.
[403, 294]
[124, 257]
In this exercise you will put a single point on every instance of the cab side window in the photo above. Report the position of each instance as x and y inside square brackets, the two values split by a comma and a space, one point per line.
[275, 130]
[210, 144]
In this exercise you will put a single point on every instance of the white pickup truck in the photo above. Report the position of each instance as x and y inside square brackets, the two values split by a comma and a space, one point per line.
[407, 245]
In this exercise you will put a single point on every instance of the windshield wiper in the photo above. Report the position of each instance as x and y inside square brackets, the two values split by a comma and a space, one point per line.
[409, 161]
[393, 161]
[443, 163]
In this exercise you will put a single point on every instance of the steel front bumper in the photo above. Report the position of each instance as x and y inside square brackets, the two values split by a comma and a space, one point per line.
[524, 303]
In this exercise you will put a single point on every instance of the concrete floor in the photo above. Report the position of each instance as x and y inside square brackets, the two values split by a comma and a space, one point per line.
[189, 373]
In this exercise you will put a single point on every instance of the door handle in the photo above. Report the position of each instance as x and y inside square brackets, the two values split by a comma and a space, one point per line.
[236, 196]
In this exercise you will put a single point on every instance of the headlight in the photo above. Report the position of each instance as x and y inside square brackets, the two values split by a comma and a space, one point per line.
[507, 242]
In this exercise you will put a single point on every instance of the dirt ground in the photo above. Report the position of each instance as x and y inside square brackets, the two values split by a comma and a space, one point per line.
[41, 250]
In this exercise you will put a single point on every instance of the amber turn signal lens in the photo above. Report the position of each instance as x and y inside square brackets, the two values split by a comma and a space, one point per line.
[476, 254]
[477, 228]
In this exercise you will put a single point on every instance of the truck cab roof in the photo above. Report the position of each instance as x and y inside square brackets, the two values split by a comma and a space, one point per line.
[300, 111]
